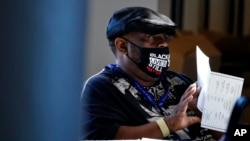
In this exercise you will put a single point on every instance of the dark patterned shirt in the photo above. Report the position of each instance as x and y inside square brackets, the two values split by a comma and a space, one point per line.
[110, 99]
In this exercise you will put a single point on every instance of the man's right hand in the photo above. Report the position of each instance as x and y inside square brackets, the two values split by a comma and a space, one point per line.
[178, 118]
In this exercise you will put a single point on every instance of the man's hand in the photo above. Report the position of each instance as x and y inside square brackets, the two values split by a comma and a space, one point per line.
[176, 121]
[193, 104]
[178, 118]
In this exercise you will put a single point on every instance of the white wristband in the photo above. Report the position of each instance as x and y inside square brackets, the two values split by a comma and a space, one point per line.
[163, 126]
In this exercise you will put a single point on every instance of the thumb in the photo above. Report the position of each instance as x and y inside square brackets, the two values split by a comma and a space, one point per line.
[193, 120]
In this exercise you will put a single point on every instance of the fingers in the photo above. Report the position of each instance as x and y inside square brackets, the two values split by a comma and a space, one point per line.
[186, 98]
[189, 91]
[180, 116]
[177, 122]
[192, 86]
[198, 90]
[193, 120]
[184, 104]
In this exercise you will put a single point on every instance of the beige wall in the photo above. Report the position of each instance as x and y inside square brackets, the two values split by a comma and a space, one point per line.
[165, 7]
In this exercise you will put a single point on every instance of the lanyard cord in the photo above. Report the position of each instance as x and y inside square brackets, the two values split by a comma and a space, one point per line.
[148, 96]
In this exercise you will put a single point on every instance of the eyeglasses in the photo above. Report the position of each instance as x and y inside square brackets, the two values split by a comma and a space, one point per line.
[156, 38]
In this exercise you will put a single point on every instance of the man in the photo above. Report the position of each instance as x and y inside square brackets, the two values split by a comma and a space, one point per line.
[138, 96]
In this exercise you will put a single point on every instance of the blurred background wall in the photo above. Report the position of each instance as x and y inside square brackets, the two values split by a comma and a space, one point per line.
[221, 27]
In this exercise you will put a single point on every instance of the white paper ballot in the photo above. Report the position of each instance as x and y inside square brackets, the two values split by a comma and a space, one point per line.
[220, 92]
[223, 91]
[203, 72]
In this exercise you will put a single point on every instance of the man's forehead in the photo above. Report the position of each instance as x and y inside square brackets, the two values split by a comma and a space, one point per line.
[145, 34]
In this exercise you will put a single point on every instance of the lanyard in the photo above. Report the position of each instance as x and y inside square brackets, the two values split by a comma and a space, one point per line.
[148, 96]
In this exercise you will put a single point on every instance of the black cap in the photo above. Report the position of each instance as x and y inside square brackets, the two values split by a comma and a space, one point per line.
[139, 19]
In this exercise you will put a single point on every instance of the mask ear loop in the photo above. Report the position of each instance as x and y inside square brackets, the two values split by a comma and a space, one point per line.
[134, 46]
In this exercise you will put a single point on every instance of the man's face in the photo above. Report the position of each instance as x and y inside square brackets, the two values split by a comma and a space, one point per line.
[147, 40]
[144, 40]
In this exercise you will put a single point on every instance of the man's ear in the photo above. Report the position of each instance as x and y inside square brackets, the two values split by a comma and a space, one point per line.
[121, 45]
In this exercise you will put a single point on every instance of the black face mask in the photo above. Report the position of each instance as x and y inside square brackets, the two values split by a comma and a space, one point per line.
[153, 61]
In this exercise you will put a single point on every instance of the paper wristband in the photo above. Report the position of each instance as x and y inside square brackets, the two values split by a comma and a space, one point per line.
[163, 126]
